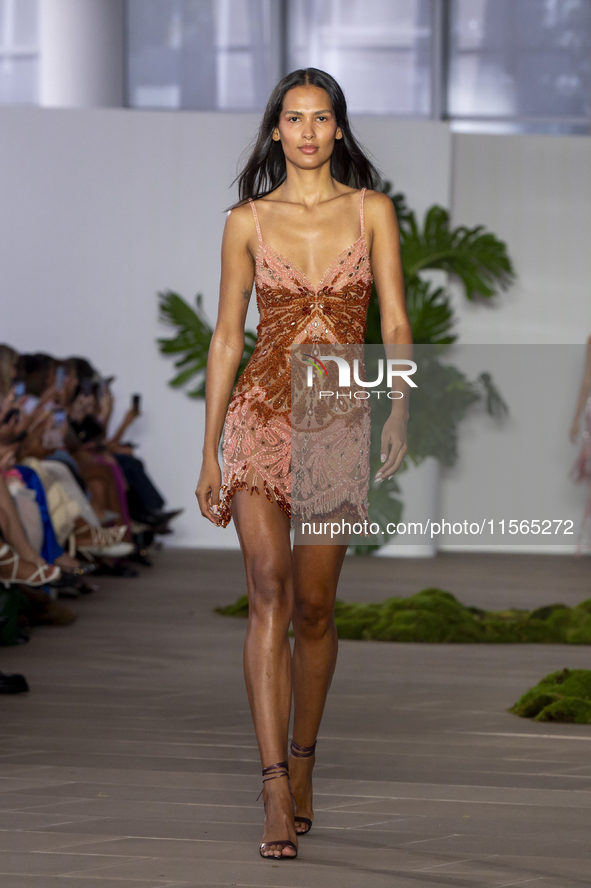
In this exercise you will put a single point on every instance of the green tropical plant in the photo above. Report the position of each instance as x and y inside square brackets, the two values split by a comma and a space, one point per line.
[473, 257]
[192, 341]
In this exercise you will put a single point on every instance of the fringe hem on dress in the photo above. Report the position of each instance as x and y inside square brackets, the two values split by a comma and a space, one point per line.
[325, 506]
[237, 482]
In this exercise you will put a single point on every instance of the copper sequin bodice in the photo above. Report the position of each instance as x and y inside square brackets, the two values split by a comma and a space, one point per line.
[257, 444]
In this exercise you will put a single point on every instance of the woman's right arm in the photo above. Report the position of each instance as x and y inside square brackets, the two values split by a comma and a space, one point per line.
[225, 350]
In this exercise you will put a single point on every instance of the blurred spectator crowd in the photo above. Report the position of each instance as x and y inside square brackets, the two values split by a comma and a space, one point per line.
[75, 501]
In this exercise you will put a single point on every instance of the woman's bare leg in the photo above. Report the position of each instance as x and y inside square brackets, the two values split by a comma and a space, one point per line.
[25, 568]
[12, 528]
[263, 530]
[316, 571]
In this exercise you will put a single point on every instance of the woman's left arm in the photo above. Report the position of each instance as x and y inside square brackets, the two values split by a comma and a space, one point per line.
[384, 238]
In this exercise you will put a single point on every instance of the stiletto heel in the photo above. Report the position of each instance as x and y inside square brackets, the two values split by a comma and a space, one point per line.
[302, 752]
[272, 773]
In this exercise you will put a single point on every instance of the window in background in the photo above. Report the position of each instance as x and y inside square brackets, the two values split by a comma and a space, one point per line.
[378, 50]
[487, 65]
[19, 52]
[521, 65]
[203, 54]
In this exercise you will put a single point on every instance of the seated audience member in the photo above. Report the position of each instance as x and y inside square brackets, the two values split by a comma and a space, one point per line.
[19, 560]
[67, 489]
[55, 414]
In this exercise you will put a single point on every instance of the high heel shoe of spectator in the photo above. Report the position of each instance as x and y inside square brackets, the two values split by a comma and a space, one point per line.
[41, 576]
[100, 542]
[86, 538]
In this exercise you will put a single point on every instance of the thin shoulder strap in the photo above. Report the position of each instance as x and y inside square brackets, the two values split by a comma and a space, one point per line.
[361, 211]
[256, 219]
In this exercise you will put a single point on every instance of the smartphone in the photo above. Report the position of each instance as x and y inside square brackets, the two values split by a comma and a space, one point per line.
[60, 378]
[19, 389]
[59, 417]
[135, 402]
[30, 404]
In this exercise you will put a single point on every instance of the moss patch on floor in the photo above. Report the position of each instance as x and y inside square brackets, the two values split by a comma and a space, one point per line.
[560, 697]
[435, 616]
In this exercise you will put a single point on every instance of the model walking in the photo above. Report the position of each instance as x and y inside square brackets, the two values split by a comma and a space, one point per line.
[309, 234]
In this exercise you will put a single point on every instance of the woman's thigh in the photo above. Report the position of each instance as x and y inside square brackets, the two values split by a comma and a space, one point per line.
[263, 531]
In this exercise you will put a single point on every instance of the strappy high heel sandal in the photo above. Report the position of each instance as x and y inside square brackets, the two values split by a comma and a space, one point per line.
[105, 542]
[302, 752]
[45, 573]
[272, 773]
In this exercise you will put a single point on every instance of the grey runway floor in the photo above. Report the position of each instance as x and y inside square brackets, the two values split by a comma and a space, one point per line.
[133, 762]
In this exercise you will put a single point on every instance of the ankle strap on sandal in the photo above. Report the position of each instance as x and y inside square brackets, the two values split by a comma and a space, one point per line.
[302, 752]
[280, 769]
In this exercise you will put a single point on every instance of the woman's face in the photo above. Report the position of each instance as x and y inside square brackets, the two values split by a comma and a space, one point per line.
[307, 127]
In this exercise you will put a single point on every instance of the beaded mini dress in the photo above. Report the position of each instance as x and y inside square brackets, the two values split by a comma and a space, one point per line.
[261, 432]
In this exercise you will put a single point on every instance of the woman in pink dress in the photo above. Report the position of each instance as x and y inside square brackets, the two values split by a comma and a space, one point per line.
[312, 235]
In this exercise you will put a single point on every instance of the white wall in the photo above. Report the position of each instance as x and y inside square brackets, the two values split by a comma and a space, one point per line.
[535, 193]
[102, 208]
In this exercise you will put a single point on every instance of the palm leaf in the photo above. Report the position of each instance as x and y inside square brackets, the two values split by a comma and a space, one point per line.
[473, 255]
[494, 403]
[430, 313]
[192, 341]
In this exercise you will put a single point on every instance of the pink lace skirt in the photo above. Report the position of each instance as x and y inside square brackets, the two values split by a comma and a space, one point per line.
[308, 473]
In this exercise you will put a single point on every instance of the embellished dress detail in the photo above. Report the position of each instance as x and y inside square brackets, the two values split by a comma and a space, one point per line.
[258, 433]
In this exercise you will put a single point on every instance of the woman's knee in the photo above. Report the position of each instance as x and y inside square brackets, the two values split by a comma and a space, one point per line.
[313, 616]
[270, 593]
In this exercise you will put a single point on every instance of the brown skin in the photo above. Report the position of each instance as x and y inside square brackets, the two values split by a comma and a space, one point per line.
[310, 219]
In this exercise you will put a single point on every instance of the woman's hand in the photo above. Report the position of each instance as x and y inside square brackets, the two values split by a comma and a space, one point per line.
[8, 404]
[9, 428]
[7, 457]
[393, 445]
[81, 407]
[105, 404]
[208, 490]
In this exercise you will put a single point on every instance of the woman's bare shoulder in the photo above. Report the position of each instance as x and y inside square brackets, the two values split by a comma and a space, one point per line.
[379, 209]
[240, 222]
[240, 213]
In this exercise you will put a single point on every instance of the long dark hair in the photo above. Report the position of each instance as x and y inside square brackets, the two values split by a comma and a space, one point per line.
[265, 169]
